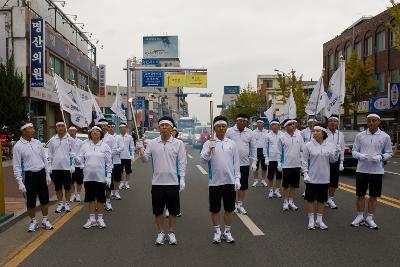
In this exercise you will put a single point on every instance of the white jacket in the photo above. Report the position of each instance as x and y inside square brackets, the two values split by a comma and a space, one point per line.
[306, 134]
[272, 151]
[290, 149]
[60, 150]
[245, 143]
[224, 165]
[76, 148]
[260, 137]
[119, 147]
[333, 138]
[129, 146]
[96, 161]
[316, 159]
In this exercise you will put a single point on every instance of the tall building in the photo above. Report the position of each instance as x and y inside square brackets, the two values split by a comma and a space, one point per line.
[60, 45]
[267, 85]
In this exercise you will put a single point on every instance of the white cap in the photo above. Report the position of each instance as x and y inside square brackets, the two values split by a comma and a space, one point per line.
[373, 115]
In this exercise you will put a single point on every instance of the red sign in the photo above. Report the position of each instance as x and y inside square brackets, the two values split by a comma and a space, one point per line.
[102, 91]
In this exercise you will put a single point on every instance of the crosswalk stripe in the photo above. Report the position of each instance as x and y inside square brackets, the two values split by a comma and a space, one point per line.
[250, 225]
[203, 171]
[189, 156]
[393, 173]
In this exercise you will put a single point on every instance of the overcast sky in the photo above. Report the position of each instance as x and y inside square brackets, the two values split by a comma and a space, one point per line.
[234, 39]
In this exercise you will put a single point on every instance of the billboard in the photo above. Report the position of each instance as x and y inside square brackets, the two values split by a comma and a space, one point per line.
[160, 47]
[152, 79]
[231, 90]
[174, 79]
[37, 52]
[378, 104]
[196, 79]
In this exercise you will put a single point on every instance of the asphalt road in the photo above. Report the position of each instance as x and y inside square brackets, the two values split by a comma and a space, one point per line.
[129, 237]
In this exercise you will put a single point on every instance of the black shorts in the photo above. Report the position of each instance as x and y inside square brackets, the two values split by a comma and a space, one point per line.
[370, 182]
[95, 191]
[244, 177]
[165, 196]
[127, 165]
[260, 157]
[117, 172]
[273, 171]
[334, 174]
[316, 192]
[222, 192]
[36, 186]
[61, 178]
[291, 177]
[77, 176]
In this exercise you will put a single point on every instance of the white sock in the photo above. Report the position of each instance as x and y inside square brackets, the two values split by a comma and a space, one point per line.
[44, 219]
[271, 190]
[370, 216]
[290, 200]
[285, 201]
[360, 214]
[217, 229]
[227, 229]
[310, 218]
[34, 219]
[276, 189]
[240, 203]
[108, 200]
[330, 198]
[100, 216]
[92, 217]
[319, 218]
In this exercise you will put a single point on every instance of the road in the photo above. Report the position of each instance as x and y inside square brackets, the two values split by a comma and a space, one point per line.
[275, 238]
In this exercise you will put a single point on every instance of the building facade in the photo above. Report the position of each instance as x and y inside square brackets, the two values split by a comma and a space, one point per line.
[268, 86]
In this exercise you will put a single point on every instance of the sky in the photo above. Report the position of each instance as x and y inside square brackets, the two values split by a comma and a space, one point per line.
[234, 39]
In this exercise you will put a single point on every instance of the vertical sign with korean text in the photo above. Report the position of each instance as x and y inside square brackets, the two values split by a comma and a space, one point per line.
[37, 52]
[102, 80]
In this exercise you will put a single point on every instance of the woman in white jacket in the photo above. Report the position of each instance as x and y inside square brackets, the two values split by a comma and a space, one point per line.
[95, 156]
[317, 155]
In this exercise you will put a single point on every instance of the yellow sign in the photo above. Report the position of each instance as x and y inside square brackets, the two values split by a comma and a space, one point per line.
[174, 79]
[196, 79]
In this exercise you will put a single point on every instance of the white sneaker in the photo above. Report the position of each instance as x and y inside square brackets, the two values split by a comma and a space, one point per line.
[331, 204]
[311, 225]
[89, 223]
[160, 239]
[371, 224]
[60, 208]
[172, 239]
[47, 225]
[227, 236]
[72, 198]
[255, 183]
[217, 237]
[121, 186]
[271, 193]
[179, 215]
[357, 221]
[292, 206]
[112, 195]
[166, 213]
[285, 206]
[264, 183]
[304, 194]
[117, 195]
[33, 226]
[78, 197]
[100, 223]
[277, 193]
[321, 225]
[67, 208]
[241, 210]
[127, 186]
[108, 206]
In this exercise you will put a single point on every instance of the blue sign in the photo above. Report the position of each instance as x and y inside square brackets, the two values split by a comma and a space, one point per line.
[139, 104]
[378, 104]
[150, 61]
[140, 98]
[37, 52]
[152, 79]
[231, 90]
[394, 94]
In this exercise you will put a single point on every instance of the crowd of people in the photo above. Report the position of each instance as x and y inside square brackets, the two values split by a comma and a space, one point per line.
[103, 165]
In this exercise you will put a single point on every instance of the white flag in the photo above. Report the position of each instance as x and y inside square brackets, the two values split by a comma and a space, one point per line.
[317, 99]
[270, 112]
[117, 106]
[99, 114]
[85, 102]
[289, 111]
[336, 91]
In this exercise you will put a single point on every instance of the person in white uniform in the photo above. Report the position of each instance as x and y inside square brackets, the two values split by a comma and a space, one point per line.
[77, 175]
[317, 155]
[222, 156]
[61, 154]
[371, 147]
[260, 135]
[272, 157]
[126, 156]
[307, 132]
[116, 159]
[245, 142]
[168, 156]
[95, 156]
[31, 170]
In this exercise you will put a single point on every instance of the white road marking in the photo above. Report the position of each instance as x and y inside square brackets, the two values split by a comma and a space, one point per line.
[190, 156]
[203, 171]
[393, 173]
[250, 225]
[395, 162]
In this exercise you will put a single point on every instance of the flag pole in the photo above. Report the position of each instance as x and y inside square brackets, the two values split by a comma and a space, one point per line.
[58, 95]
[319, 90]
[341, 60]
[212, 125]
[134, 120]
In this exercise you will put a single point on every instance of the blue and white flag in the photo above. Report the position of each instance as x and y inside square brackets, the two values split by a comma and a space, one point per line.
[317, 99]
[117, 106]
[336, 91]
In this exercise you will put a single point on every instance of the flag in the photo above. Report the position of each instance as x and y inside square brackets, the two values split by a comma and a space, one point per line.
[289, 111]
[117, 106]
[317, 99]
[98, 114]
[85, 102]
[336, 91]
[270, 112]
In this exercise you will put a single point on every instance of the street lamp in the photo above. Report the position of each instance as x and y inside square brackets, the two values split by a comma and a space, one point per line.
[62, 3]
[74, 17]
[80, 23]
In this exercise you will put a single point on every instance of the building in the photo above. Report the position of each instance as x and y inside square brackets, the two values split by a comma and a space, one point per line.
[268, 86]
[229, 97]
[63, 47]
[369, 37]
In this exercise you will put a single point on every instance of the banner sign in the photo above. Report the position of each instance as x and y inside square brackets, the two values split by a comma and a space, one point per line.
[378, 104]
[196, 80]
[102, 80]
[174, 79]
[231, 90]
[394, 94]
[150, 61]
[37, 52]
[160, 47]
[152, 79]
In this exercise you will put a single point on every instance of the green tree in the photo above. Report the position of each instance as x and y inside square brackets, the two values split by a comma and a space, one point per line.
[247, 102]
[11, 101]
[395, 12]
[294, 83]
[360, 83]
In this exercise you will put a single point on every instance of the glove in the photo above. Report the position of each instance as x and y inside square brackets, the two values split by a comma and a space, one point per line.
[212, 145]
[253, 166]
[48, 178]
[237, 184]
[108, 181]
[182, 184]
[21, 186]
[307, 178]
[49, 169]
[72, 169]
[266, 162]
[279, 167]
[376, 158]
[341, 167]
[363, 157]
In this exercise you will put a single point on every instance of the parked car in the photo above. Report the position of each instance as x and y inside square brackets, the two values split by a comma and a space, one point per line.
[349, 137]
[201, 135]
[186, 135]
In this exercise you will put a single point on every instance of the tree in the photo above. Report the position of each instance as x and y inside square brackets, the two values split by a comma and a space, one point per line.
[11, 101]
[360, 83]
[247, 102]
[395, 12]
[294, 83]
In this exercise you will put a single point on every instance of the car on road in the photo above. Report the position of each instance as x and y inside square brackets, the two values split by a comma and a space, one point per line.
[200, 136]
[349, 136]
[150, 135]
[186, 135]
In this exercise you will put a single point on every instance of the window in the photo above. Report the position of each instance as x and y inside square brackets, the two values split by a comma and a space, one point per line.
[113, 93]
[392, 39]
[94, 86]
[268, 83]
[337, 57]
[357, 48]
[380, 77]
[395, 75]
[71, 75]
[109, 93]
[347, 52]
[368, 46]
[83, 81]
[56, 64]
[331, 62]
[380, 41]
